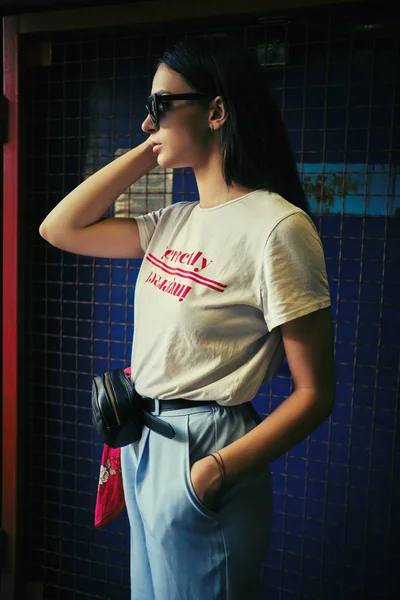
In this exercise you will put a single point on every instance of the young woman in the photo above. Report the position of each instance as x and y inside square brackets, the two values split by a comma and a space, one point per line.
[228, 285]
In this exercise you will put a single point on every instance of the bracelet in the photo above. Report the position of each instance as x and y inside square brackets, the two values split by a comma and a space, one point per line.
[219, 467]
[222, 462]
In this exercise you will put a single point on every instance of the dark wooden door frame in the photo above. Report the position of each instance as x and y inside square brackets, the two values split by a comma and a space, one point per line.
[12, 447]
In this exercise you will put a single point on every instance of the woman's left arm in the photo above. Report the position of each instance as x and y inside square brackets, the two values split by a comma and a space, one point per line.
[309, 348]
[308, 343]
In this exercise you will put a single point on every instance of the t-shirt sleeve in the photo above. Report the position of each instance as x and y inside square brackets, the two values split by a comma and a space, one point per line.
[294, 279]
[147, 225]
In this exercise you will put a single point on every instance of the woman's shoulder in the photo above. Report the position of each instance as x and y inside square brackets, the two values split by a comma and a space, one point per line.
[274, 204]
[265, 210]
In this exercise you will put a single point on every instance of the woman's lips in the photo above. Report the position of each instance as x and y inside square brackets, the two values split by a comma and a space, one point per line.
[156, 148]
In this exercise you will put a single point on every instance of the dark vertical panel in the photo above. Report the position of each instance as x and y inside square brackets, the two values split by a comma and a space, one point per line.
[11, 407]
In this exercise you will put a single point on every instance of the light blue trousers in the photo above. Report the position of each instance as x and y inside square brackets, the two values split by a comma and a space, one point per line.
[181, 550]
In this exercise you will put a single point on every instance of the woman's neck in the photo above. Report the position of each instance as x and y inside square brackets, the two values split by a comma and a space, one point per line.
[212, 187]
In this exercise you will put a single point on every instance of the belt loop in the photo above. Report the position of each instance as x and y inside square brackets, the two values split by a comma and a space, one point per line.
[156, 406]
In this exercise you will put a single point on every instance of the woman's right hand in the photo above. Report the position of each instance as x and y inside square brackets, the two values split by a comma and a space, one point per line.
[150, 143]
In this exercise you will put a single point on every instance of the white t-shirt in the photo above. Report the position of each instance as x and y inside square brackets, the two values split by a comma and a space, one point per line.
[213, 288]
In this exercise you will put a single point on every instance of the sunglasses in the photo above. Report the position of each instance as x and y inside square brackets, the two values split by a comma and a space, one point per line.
[158, 104]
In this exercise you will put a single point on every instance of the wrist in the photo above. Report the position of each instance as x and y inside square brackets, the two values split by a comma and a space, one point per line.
[216, 480]
[147, 151]
[149, 144]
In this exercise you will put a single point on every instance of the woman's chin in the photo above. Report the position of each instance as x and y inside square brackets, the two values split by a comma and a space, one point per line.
[169, 162]
[160, 160]
[164, 162]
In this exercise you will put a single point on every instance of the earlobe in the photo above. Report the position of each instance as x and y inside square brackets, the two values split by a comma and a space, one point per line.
[218, 118]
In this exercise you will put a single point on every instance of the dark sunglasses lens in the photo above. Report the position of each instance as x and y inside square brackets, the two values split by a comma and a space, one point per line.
[151, 107]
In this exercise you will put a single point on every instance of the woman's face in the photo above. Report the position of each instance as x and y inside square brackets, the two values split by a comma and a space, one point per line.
[184, 132]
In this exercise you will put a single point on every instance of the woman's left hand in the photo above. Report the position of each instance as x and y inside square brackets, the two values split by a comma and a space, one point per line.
[206, 480]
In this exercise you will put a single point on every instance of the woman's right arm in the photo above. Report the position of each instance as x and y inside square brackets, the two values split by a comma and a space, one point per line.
[74, 224]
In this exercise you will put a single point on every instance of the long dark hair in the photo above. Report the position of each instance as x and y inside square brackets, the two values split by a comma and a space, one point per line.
[255, 147]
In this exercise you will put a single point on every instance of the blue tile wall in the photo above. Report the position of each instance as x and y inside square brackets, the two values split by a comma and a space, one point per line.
[336, 494]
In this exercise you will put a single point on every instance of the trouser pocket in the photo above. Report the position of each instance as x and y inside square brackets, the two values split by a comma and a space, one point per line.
[200, 441]
[211, 431]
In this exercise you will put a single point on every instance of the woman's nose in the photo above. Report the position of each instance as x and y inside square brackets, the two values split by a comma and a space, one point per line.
[147, 125]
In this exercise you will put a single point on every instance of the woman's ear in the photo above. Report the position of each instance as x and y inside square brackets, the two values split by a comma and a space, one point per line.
[218, 114]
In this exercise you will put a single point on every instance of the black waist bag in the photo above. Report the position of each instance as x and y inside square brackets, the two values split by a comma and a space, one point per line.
[117, 411]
